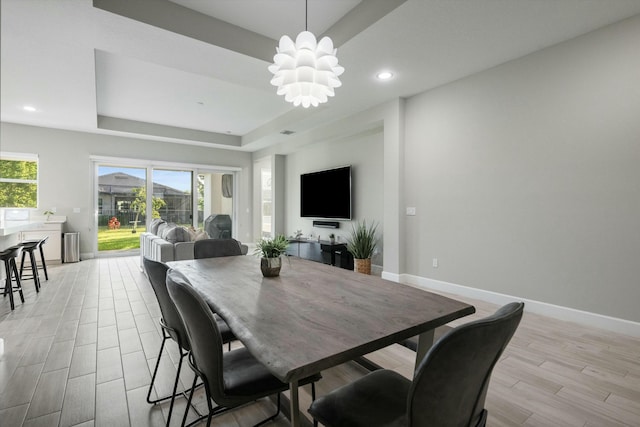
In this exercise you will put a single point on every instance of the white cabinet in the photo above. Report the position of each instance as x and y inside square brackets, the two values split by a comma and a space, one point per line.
[53, 247]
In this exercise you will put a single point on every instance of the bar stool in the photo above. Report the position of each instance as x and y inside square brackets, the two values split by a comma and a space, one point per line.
[11, 269]
[30, 247]
[43, 263]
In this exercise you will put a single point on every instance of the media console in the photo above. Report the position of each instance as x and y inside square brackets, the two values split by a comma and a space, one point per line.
[321, 251]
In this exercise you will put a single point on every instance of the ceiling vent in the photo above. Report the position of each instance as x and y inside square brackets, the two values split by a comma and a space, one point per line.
[287, 132]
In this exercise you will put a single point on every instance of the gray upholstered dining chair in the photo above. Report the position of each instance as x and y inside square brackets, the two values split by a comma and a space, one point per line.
[232, 378]
[448, 389]
[172, 326]
[213, 248]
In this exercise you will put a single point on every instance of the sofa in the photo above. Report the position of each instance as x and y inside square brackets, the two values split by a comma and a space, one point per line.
[165, 241]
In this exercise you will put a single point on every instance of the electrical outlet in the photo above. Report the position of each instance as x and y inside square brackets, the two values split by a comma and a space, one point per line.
[76, 210]
[435, 263]
[411, 211]
[53, 210]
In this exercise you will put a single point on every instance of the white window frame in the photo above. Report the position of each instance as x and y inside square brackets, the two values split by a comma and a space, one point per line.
[23, 157]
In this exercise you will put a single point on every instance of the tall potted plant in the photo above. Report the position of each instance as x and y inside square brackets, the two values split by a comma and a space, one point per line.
[362, 243]
[270, 251]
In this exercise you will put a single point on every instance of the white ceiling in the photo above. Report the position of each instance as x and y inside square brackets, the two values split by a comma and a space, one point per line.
[205, 81]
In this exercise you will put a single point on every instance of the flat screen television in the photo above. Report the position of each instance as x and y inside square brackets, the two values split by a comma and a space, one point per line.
[326, 194]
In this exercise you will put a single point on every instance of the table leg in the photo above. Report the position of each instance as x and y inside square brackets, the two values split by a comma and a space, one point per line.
[425, 341]
[294, 403]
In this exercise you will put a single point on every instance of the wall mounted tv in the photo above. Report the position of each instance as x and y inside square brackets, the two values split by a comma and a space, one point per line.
[326, 193]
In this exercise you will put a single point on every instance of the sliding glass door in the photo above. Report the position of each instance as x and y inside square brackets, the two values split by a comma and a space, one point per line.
[172, 196]
[215, 204]
[121, 207]
[132, 193]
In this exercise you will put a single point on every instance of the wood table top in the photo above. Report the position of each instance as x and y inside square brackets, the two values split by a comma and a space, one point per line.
[314, 316]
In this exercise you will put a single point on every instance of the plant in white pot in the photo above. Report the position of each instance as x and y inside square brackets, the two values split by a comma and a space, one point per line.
[362, 243]
[270, 251]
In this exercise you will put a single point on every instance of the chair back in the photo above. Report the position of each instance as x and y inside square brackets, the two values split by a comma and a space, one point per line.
[157, 273]
[450, 385]
[213, 248]
[203, 333]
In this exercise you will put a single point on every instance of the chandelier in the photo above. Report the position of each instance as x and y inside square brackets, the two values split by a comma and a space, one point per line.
[306, 72]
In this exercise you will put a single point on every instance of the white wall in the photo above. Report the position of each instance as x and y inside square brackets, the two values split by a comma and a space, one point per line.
[66, 173]
[364, 152]
[526, 177]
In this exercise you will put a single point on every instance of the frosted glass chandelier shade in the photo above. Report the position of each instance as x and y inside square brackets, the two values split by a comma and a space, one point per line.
[306, 72]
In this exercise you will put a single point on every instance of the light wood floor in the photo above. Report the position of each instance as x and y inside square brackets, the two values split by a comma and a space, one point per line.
[80, 353]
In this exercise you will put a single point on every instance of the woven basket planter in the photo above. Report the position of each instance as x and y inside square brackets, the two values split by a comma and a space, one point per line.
[362, 266]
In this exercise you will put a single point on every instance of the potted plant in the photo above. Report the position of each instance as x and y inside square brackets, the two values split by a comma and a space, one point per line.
[270, 251]
[48, 214]
[362, 243]
[332, 238]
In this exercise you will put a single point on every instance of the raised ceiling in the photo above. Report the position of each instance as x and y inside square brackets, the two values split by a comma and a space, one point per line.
[195, 72]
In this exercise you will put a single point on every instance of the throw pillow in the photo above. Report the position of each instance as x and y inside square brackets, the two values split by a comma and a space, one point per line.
[155, 223]
[201, 235]
[162, 228]
[192, 233]
[177, 234]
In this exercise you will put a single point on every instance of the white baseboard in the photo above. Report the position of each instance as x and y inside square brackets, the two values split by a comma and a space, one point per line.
[585, 318]
[391, 276]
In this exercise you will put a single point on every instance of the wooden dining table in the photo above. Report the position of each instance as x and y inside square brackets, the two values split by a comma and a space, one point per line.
[314, 316]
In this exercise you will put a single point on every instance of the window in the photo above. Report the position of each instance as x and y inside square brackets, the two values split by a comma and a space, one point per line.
[18, 180]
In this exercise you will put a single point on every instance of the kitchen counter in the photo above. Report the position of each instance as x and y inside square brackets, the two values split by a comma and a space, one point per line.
[11, 227]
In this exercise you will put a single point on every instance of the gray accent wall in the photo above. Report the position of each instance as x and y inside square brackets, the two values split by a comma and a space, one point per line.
[364, 152]
[526, 177]
[66, 171]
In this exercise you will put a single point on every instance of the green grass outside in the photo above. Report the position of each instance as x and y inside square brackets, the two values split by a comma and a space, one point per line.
[120, 239]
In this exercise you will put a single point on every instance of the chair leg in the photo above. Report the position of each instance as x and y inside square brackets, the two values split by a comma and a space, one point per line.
[175, 386]
[155, 372]
[18, 283]
[44, 264]
[8, 285]
[34, 270]
[211, 411]
[7, 268]
[313, 397]
[274, 416]
[22, 262]
[186, 411]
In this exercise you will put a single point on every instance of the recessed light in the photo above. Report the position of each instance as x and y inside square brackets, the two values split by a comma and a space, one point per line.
[384, 75]
[29, 108]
